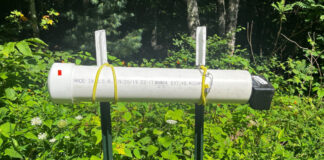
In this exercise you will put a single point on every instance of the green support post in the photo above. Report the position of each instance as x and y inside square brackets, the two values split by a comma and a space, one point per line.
[199, 132]
[106, 130]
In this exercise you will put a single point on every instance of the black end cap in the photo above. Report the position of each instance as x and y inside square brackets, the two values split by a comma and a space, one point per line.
[262, 93]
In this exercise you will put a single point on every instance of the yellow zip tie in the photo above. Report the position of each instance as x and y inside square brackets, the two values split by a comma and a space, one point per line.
[96, 82]
[203, 100]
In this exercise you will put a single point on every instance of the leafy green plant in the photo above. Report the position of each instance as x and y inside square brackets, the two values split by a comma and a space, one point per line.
[17, 18]
[32, 127]
[50, 19]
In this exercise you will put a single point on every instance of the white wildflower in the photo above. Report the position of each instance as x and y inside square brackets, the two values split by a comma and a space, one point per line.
[79, 117]
[42, 136]
[170, 121]
[67, 137]
[36, 121]
[52, 140]
[62, 123]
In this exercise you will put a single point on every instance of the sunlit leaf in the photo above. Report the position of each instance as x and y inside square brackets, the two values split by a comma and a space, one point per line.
[10, 94]
[3, 111]
[30, 135]
[128, 152]
[48, 123]
[11, 152]
[98, 135]
[77, 61]
[36, 40]
[94, 158]
[165, 141]
[157, 132]
[151, 150]
[82, 131]
[3, 75]
[137, 153]
[127, 116]
[281, 133]
[23, 47]
[145, 140]
[7, 128]
[8, 49]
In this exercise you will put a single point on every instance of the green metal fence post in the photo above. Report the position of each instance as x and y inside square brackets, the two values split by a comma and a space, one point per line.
[106, 130]
[199, 132]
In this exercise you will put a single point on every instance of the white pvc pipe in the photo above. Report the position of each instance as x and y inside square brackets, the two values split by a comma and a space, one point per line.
[70, 83]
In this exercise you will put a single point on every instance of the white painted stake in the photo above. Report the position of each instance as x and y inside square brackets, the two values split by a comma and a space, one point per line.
[101, 47]
[200, 45]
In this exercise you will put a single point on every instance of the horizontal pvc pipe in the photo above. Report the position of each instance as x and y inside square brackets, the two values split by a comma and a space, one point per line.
[70, 83]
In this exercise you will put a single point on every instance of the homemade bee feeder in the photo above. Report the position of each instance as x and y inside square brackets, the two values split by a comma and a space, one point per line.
[69, 83]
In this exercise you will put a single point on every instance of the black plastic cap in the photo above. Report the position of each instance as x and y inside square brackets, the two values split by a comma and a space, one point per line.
[262, 93]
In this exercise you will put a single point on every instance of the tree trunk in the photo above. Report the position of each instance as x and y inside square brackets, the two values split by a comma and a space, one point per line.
[221, 15]
[154, 38]
[193, 17]
[233, 7]
[85, 4]
[33, 15]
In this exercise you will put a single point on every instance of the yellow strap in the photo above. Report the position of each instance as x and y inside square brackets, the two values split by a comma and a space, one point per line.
[96, 82]
[203, 100]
